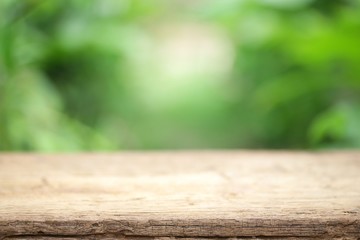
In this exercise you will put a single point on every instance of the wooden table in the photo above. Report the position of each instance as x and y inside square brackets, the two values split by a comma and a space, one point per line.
[187, 195]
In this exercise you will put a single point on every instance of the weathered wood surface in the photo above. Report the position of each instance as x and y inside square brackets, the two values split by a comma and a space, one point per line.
[187, 195]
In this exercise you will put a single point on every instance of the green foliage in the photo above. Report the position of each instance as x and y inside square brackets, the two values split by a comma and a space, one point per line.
[123, 74]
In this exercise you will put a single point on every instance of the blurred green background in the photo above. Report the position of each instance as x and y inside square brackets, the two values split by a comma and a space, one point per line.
[177, 74]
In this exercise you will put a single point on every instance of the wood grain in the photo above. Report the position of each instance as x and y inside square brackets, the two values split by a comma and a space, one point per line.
[187, 195]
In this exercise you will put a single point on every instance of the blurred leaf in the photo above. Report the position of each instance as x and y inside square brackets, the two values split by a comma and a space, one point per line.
[330, 126]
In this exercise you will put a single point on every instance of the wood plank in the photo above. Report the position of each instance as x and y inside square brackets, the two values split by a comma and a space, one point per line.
[187, 195]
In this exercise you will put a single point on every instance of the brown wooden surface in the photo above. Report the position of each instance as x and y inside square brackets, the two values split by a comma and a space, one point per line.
[202, 195]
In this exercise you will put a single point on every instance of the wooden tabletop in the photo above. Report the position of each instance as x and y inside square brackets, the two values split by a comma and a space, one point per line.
[157, 195]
